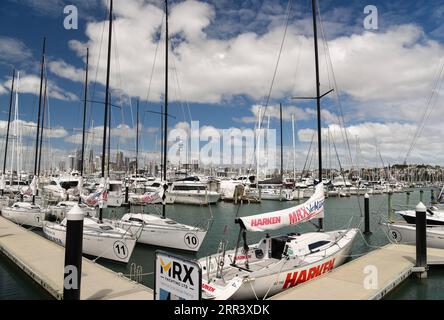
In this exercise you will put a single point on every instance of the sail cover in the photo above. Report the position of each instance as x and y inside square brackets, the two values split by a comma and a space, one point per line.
[312, 208]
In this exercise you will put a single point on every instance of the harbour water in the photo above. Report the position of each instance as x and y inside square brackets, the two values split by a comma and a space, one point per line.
[339, 213]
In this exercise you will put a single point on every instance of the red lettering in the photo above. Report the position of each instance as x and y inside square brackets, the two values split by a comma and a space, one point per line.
[299, 214]
[207, 287]
[293, 218]
[265, 221]
[296, 278]
[314, 272]
[290, 281]
[302, 276]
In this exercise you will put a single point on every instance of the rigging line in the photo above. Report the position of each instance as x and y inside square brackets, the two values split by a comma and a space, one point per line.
[341, 117]
[257, 128]
[307, 3]
[428, 110]
[93, 91]
[308, 154]
[287, 19]
[342, 174]
[154, 61]
[176, 73]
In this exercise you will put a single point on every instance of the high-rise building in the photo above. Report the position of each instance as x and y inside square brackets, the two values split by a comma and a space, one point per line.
[71, 162]
[127, 164]
[62, 166]
[119, 160]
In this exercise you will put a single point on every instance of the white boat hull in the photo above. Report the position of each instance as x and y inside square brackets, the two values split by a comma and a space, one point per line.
[406, 234]
[174, 236]
[114, 248]
[268, 282]
[24, 217]
[201, 198]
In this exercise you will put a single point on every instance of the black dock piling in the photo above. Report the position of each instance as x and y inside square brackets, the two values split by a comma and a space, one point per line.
[421, 241]
[73, 254]
[367, 214]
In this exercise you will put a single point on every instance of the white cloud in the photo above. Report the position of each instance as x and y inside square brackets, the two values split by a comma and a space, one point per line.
[122, 134]
[31, 84]
[13, 50]
[392, 140]
[383, 67]
[28, 129]
[64, 70]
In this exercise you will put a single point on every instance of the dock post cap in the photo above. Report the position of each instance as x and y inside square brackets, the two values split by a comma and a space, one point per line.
[75, 214]
[366, 196]
[421, 207]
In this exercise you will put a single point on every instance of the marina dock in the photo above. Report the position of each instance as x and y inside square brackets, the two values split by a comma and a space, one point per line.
[43, 261]
[394, 263]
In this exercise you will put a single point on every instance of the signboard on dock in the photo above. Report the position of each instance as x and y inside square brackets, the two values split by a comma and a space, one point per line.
[176, 278]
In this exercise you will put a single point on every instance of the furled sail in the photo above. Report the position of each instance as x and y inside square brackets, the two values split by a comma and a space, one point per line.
[311, 209]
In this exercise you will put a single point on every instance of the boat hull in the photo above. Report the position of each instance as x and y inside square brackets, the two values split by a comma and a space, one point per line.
[24, 217]
[108, 247]
[410, 219]
[406, 234]
[160, 236]
[192, 198]
[268, 283]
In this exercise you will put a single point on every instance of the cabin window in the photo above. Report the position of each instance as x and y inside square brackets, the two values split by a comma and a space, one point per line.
[53, 183]
[316, 245]
[136, 220]
[69, 184]
[259, 253]
[188, 188]
[115, 187]
[106, 228]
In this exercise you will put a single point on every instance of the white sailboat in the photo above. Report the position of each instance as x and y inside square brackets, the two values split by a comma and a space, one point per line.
[26, 213]
[434, 216]
[192, 191]
[275, 263]
[155, 229]
[99, 239]
[406, 234]
[60, 210]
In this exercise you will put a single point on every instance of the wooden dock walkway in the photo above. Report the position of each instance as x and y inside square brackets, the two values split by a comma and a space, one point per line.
[43, 261]
[393, 262]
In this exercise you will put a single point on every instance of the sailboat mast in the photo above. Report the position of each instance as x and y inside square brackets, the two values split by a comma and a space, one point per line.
[84, 113]
[43, 124]
[294, 148]
[165, 126]
[105, 121]
[108, 66]
[137, 138]
[9, 121]
[109, 137]
[282, 146]
[318, 95]
[40, 108]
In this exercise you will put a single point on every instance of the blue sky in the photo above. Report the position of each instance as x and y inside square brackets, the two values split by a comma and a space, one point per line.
[408, 46]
